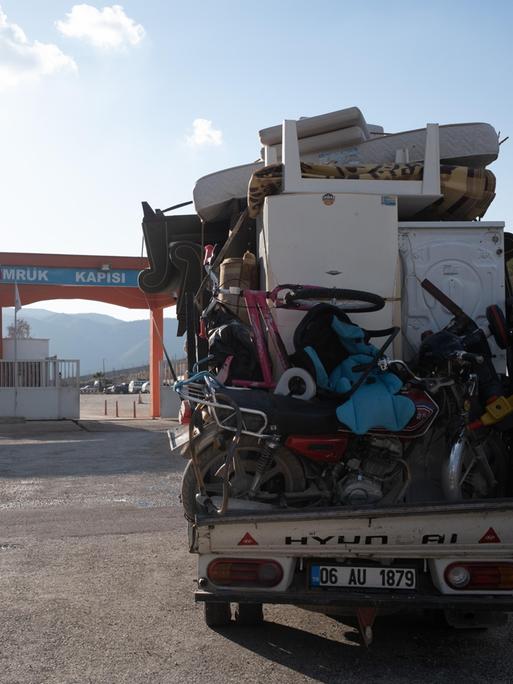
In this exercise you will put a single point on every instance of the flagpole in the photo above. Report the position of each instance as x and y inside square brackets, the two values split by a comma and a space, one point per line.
[15, 349]
[17, 306]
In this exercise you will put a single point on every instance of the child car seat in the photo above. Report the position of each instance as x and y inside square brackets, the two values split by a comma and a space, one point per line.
[315, 330]
[334, 350]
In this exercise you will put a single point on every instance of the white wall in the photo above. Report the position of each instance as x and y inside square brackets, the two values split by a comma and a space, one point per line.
[40, 403]
[169, 403]
[27, 349]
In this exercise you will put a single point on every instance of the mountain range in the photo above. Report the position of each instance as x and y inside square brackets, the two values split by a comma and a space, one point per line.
[97, 340]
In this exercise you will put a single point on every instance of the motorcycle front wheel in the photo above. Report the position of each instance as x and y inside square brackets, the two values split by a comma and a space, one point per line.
[475, 471]
[284, 474]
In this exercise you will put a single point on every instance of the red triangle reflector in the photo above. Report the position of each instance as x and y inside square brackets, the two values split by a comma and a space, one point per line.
[247, 540]
[490, 537]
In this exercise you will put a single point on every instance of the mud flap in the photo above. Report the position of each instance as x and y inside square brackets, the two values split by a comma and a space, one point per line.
[366, 617]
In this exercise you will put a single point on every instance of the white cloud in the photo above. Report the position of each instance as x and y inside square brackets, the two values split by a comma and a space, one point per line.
[22, 60]
[108, 28]
[203, 133]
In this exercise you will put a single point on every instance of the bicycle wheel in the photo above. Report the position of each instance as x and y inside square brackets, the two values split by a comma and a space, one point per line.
[346, 300]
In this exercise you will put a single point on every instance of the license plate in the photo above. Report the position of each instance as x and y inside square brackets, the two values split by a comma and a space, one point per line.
[178, 440]
[362, 577]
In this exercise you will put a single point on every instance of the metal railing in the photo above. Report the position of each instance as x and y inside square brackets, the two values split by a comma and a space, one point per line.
[40, 373]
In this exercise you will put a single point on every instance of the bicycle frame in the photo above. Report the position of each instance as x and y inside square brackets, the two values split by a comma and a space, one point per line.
[261, 321]
[260, 316]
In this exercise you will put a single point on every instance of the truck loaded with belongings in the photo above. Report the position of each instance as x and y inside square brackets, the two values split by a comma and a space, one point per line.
[349, 330]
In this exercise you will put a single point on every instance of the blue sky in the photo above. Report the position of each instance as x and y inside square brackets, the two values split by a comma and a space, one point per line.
[102, 117]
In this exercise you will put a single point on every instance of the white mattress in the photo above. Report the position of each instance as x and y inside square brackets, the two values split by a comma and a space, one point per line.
[213, 193]
[468, 144]
[472, 144]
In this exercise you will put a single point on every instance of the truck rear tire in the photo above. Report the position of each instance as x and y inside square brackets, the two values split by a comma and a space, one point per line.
[217, 614]
[249, 614]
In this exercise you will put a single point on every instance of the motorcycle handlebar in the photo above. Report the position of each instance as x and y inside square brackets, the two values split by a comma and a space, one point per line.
[467, 357]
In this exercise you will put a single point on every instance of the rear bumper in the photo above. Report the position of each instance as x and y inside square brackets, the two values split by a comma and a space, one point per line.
[399, 599]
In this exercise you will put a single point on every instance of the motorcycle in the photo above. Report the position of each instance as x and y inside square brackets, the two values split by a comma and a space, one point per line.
[477, 462]
[255, 449]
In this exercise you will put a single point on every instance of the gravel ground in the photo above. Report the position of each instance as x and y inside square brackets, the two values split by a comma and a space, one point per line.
[97, 585]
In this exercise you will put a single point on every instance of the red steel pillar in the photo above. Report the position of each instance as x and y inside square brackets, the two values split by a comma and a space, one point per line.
[1, 335]
[156, 356]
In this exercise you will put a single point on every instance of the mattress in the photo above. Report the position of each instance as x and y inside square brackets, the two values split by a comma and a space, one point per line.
[470, 144]
[212, 194]
[467, 144]
[466, 192]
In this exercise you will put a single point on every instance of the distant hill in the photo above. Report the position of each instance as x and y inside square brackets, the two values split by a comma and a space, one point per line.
[95, 337]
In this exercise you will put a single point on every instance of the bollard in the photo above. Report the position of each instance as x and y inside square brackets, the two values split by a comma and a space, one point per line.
[105, 412]
[135, 415]
[139, 399]
[117, 409]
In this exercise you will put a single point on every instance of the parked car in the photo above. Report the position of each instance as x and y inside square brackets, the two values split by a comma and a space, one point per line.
[88, 389]
[145, 389]
[119, 388]
[135, 386]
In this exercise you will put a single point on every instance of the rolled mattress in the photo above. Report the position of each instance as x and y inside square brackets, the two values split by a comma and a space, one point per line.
[316, 125]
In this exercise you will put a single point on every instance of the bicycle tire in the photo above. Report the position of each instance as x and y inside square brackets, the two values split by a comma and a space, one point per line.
[356, 301]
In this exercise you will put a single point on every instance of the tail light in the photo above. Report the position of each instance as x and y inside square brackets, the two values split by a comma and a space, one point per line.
[229, 572]
[480, 576]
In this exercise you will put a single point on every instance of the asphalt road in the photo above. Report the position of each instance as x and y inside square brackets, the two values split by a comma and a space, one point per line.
[93, 406]
[97, 584]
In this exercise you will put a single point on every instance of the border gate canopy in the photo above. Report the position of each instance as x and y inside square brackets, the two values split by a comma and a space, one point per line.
[110, 279]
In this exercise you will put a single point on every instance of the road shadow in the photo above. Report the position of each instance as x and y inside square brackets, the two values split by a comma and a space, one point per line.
[88, 453]
[405, 649]
[124, 425]
[22, 429]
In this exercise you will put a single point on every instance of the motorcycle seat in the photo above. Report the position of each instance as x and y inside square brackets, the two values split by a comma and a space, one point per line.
[289, 415]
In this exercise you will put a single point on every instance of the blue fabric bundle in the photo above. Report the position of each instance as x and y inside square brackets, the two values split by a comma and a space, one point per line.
[376, 402]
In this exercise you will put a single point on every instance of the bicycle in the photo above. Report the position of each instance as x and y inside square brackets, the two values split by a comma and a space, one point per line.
[262, 323]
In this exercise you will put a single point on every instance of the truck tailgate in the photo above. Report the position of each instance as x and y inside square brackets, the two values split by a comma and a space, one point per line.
[473, 529]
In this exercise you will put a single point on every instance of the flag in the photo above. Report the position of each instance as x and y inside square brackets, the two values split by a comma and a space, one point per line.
[17, 300]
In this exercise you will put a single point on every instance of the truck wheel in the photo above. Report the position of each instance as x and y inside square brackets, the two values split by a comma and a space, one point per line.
[217, 614]
[249, 614]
